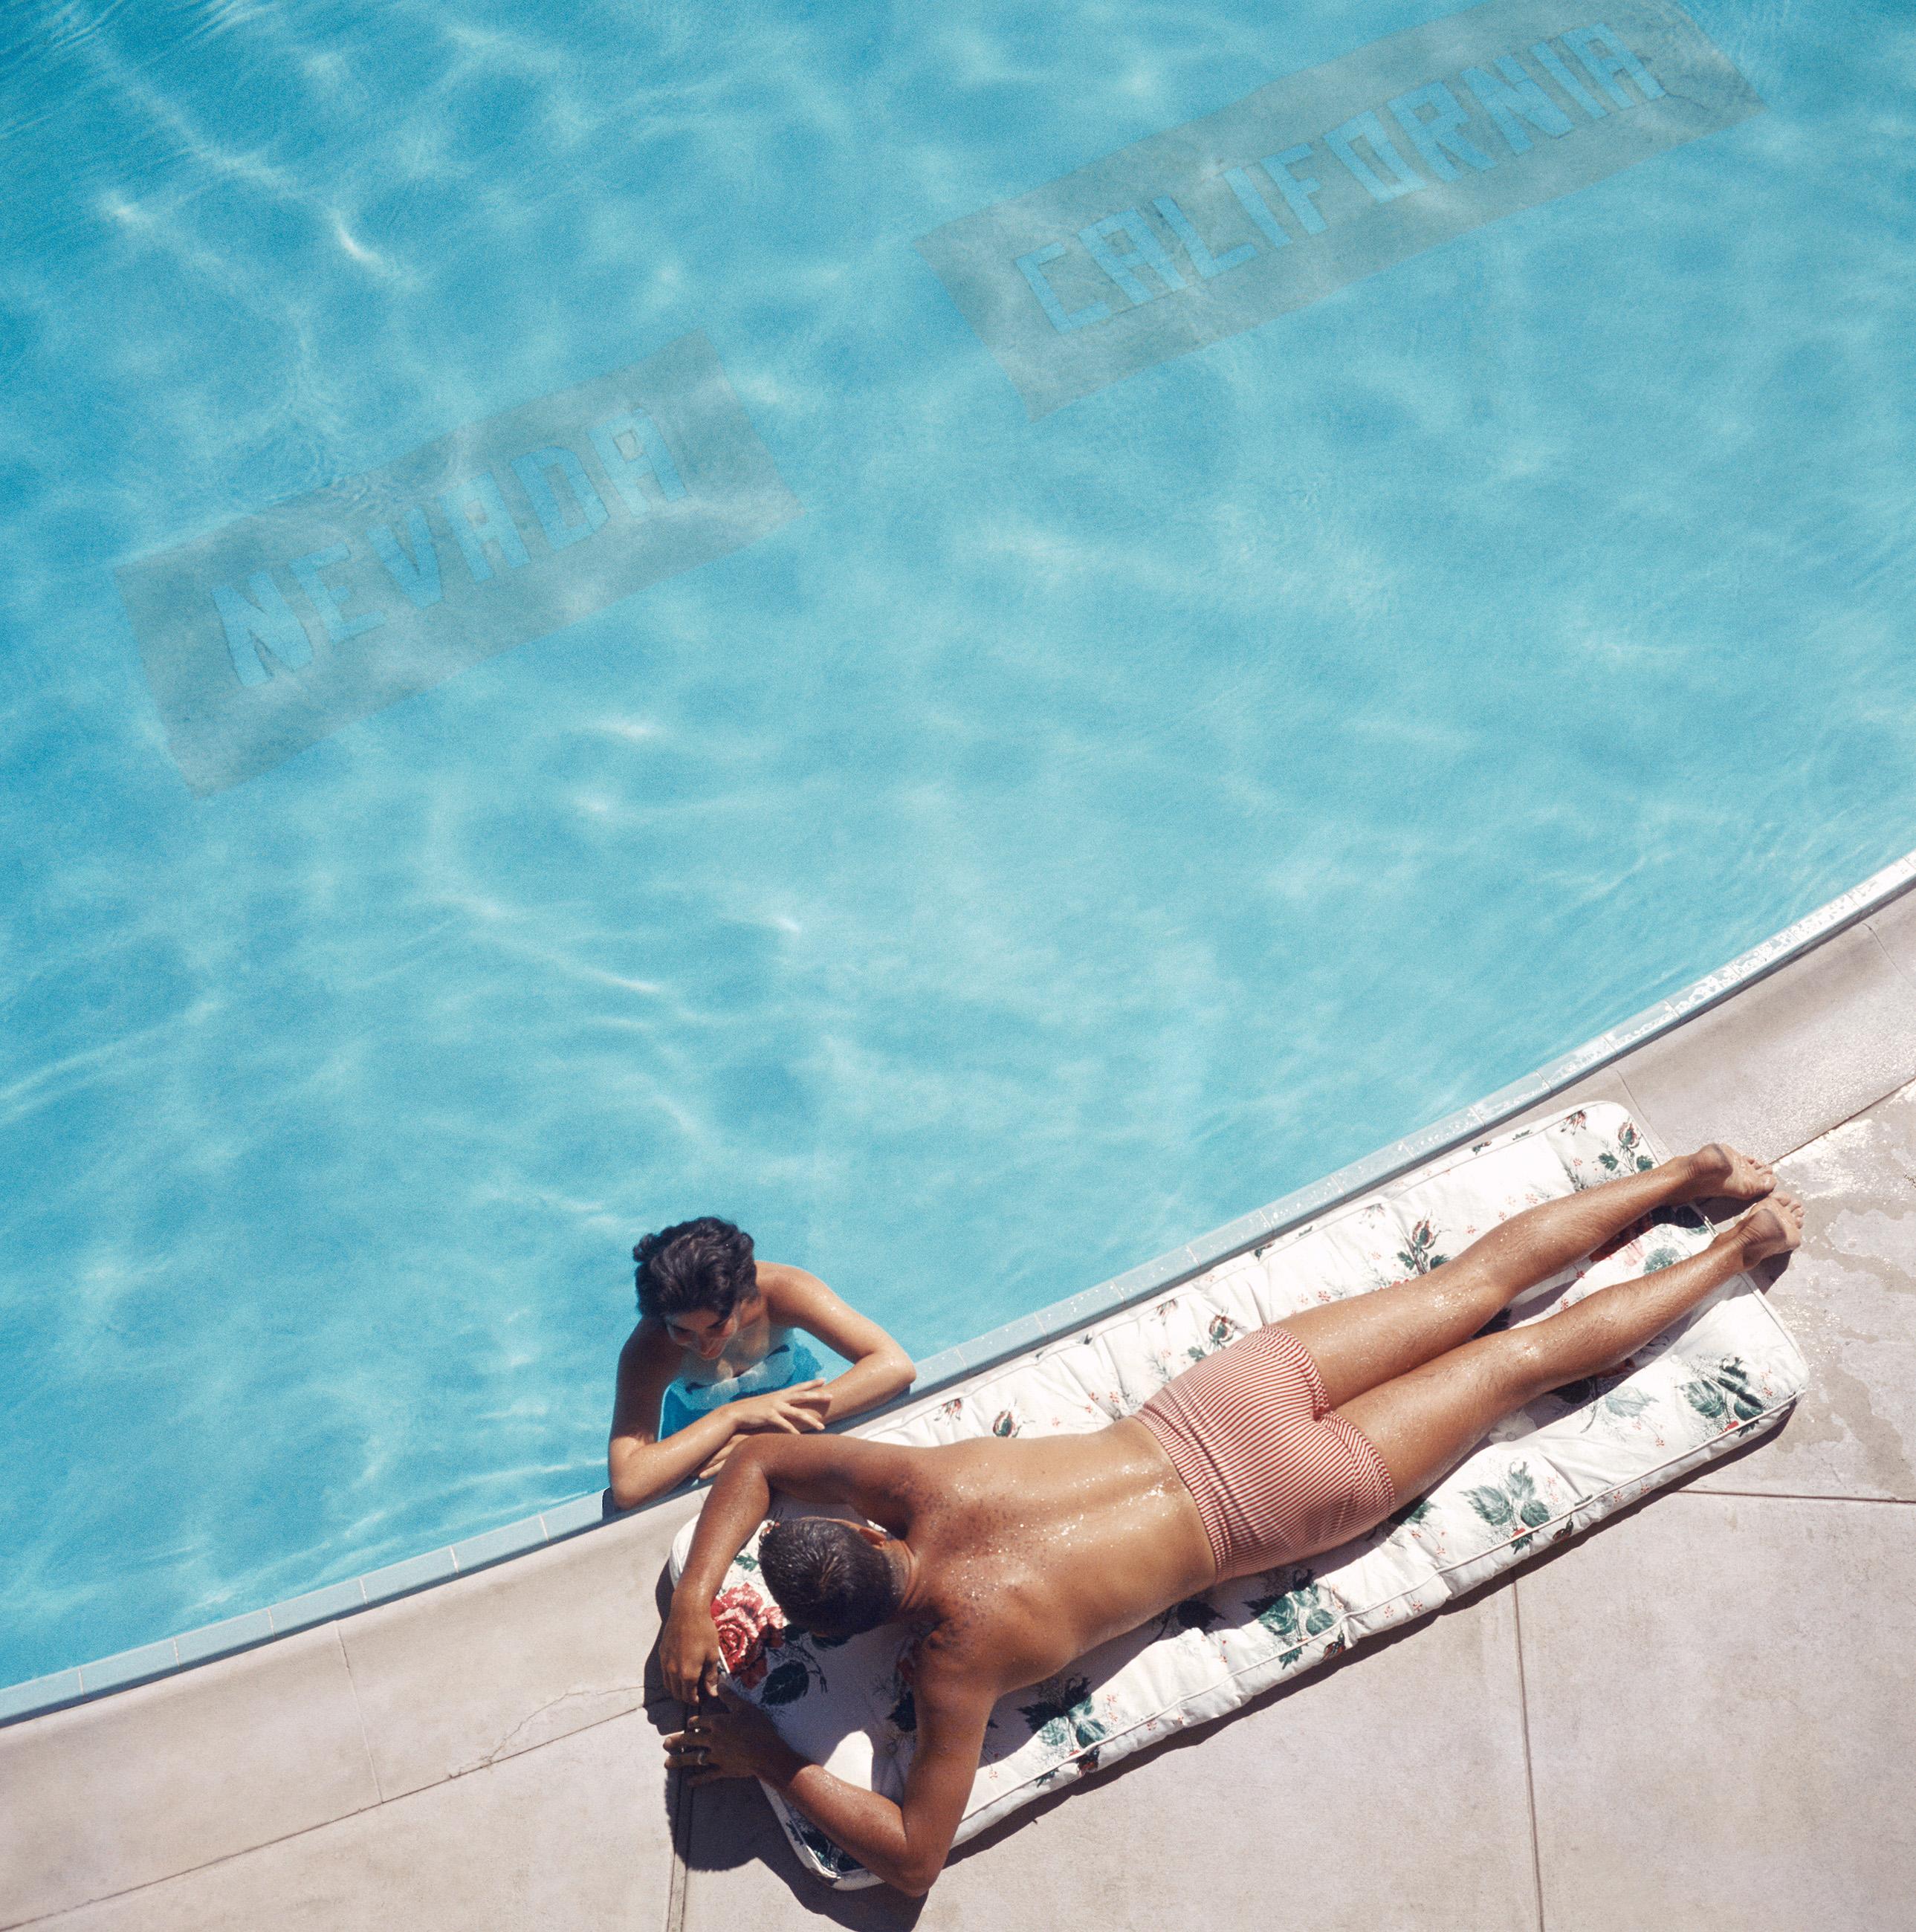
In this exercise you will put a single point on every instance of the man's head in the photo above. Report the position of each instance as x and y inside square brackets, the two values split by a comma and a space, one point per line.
[696, 1278]
[835, 1579]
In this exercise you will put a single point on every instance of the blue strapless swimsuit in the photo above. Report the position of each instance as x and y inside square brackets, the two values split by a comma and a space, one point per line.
[788, 1360]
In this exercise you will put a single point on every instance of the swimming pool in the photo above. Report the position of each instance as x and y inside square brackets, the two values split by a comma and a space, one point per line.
[1013, 836]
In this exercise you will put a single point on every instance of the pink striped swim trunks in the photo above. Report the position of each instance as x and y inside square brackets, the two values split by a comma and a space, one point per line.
[1275, 1476]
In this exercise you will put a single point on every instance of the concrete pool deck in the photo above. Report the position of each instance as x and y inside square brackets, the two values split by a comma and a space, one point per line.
[1698, 1711]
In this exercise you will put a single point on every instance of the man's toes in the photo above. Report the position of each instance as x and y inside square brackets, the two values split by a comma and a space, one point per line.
[1754, 1173]
[1743, 1177]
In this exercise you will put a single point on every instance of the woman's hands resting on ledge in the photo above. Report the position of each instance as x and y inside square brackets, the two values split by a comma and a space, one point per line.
[803, 1406]
[639, 1469]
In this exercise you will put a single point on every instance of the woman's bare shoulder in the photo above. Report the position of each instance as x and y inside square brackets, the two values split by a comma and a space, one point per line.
[775, 1280]
[648, 1346]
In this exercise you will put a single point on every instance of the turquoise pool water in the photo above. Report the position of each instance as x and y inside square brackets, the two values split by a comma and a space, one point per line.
[1067, 833]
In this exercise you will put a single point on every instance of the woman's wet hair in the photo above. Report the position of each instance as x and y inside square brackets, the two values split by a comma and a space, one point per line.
[826, 1576]
[705, 1263]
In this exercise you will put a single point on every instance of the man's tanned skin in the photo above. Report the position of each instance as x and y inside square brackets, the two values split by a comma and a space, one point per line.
[1015, 1556]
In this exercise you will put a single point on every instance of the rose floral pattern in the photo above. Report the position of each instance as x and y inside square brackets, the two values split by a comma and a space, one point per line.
[749, 1629]
[1577, 1455]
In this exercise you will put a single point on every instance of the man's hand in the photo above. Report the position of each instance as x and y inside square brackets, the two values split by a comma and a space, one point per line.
[734, 1739]
[689, 1658]
[793, 1411]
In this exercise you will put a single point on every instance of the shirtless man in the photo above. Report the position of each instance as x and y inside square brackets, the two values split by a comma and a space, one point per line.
[1013, 1556]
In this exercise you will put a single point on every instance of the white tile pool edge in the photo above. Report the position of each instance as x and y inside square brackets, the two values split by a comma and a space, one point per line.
[570, 1517]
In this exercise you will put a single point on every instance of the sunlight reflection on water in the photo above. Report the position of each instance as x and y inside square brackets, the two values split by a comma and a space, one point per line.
[1064, 838]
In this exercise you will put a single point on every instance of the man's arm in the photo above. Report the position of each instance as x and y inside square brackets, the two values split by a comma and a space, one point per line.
[813, 1469]
[905, 1844]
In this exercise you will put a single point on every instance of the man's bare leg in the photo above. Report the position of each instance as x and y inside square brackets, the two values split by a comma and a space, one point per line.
[1423, 1423]
[1372, 1338]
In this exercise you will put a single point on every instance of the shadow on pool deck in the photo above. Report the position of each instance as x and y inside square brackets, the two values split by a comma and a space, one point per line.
[1696, 1709]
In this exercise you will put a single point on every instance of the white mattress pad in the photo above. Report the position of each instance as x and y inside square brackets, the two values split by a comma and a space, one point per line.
[1728, 1370]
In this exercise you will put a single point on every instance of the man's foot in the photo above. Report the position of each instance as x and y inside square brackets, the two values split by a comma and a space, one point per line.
[1721, 1172]
[1772, 1227]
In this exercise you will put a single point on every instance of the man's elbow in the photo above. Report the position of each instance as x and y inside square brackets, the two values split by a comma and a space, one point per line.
[753, 1451]
[916, 1876]
[904, 1373]
[916, 1870]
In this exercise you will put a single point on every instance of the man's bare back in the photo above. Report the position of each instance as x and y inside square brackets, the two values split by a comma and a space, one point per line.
[1036, 1550]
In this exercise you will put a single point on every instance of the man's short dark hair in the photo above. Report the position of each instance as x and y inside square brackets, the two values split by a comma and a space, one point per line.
[826, 1576]
[705, 1263]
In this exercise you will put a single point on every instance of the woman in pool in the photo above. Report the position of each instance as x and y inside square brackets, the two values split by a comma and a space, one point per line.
[717, 1355]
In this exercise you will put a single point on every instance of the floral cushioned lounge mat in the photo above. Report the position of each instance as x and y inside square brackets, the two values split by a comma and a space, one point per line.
[1728, 1371]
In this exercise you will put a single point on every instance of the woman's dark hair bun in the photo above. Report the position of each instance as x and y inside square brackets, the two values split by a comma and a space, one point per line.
[705, 1263]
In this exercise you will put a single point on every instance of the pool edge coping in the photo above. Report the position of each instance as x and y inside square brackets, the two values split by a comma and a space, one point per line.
[560, 1521]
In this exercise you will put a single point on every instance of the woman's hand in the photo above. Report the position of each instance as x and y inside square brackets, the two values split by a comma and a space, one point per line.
[732, 1739]
[689, 1658]
[803, 1406]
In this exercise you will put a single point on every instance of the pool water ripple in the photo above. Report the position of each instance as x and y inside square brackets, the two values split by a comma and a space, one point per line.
[1064, 837]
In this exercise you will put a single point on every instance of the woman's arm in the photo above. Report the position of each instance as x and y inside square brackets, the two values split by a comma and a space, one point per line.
[638, 1465]
[880, 1368]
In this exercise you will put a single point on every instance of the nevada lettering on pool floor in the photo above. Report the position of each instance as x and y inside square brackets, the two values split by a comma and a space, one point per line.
[1322, 177]
[277, 630]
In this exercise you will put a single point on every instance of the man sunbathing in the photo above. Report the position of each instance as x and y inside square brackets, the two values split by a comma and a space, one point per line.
[1010, 1557]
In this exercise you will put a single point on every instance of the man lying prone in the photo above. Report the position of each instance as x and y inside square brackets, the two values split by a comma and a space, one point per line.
[1012, 1556]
